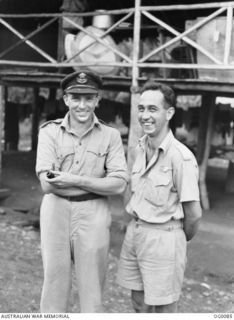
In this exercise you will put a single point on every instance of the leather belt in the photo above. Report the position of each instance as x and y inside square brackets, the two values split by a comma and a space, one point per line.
[82, 197]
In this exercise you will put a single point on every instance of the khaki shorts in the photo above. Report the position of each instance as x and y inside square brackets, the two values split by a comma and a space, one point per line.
[153, 259]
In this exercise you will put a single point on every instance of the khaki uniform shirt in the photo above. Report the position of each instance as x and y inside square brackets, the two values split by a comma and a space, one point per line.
[98, 153]
[159, 188]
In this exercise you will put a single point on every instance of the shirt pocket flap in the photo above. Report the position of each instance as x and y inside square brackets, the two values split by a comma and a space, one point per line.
[160, 180]
[97, 152]
[157, 190]
[95, 161]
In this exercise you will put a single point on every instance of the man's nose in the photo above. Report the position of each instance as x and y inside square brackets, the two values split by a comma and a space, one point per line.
[81, 103]
[146, 114]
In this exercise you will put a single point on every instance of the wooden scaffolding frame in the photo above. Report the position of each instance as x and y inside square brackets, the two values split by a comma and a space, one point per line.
[137, 11]
[135, 63]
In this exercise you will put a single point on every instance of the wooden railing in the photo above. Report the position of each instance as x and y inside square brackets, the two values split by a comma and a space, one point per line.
[135, 61]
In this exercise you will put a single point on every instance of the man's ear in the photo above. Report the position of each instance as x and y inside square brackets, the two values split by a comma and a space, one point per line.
[99, 97]
[170, 113]
[65, 99]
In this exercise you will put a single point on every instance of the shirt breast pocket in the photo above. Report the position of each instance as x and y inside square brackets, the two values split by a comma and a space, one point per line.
[65, 157]
[96, 161]
[157, 189]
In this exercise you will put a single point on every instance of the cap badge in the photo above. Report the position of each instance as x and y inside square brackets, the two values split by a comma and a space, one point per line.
[82, 78]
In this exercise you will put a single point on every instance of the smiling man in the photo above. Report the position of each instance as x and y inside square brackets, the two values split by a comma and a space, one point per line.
[164, 207]
[80, 161]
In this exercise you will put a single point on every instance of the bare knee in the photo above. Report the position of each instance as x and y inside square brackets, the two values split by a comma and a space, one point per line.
[139, 304]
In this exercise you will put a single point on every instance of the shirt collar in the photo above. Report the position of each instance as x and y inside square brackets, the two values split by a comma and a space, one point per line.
[96, 122]
[142, 141]
[164, 145]
[166, 141]
[66, 123]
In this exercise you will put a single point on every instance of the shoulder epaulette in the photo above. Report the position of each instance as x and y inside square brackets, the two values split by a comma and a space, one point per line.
[104, 123]
[185, 152]
[57, 121]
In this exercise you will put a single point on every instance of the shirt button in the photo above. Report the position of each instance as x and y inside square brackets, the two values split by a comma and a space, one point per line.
[77, 162]
[80, 143]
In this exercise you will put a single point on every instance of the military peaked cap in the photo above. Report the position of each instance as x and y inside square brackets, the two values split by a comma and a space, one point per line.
[81, 82]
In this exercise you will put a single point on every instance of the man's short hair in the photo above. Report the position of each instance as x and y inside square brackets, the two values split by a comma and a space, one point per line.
[168, 93]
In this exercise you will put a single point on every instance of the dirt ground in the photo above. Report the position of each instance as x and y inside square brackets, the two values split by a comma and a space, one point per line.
[209, 278]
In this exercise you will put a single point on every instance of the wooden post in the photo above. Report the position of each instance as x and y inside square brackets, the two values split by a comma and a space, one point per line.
[204, 142]
[134, 130]
[2, 107]
[229, 187]
[60, 46]
[163, 55]
[203, 119]
[35, 119]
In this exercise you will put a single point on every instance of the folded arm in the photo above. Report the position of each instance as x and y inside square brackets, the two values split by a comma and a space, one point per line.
[113, 180]
[49, 186]
[66, 183]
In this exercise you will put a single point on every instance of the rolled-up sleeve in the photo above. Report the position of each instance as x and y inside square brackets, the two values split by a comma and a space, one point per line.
[186, 180]
[46, 155]
[116, 165]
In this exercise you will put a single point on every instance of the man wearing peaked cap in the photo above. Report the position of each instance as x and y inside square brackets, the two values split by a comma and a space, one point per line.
[85, 82]
[80, 161]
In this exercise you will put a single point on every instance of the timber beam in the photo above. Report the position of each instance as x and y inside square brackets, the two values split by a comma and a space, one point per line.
[181, 86]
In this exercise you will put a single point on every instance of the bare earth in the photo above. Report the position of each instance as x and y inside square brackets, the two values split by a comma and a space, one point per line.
[209, 279]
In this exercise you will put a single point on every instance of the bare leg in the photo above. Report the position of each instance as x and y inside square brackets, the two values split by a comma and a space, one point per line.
[138, 303]
[168, 308]
[140, 306]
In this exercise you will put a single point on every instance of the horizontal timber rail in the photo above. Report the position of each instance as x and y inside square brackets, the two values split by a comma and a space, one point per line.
[224, 9]
[120, 64]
